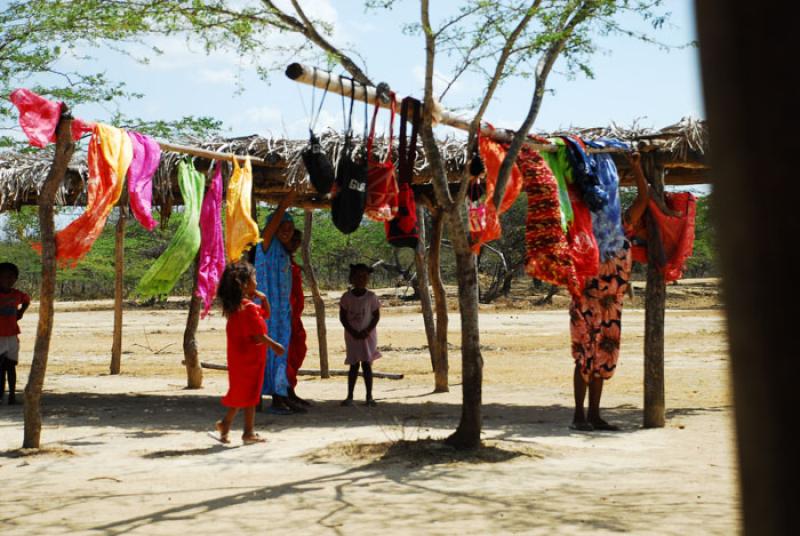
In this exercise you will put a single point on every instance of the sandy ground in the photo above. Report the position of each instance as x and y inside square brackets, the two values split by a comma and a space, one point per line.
[130, 453]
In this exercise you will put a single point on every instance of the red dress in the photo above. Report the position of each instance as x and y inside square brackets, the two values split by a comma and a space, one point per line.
[297, 344]
[246, 359]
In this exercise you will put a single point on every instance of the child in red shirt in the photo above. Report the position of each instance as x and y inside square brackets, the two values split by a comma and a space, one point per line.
[246, 332]
[13, 304]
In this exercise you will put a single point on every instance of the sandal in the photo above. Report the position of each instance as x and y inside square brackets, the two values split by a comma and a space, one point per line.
[581, 426]
[251, 439]
[221, 435]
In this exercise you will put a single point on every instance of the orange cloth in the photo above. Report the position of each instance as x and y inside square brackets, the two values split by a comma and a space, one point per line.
[110, 154]
[241, 231]
[492, 154]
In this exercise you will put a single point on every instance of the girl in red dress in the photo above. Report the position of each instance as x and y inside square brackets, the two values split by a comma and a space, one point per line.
[246, 332]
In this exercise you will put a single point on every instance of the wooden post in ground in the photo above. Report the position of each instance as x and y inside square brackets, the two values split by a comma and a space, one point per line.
[119, 283]
[191, 359]
[424, 288]
[441, 366]
[319, 303]
[655, 302]
[44, 329]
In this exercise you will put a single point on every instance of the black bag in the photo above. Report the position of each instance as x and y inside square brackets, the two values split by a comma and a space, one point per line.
[403, 230]
[350, 194]
[318, 165]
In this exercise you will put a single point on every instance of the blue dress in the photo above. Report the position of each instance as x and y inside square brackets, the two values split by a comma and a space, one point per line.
[607, 222]
[274, 278]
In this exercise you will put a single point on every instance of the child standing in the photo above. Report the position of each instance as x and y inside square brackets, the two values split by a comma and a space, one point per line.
[246, 332]
[359, 312]
[13, 304]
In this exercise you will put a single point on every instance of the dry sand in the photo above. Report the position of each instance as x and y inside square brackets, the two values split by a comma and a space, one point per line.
[130, 453]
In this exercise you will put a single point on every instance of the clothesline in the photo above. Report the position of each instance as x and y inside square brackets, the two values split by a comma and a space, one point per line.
[344, 86]
[211, 155]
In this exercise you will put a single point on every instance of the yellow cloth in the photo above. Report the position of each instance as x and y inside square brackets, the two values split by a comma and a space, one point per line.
[241, 231]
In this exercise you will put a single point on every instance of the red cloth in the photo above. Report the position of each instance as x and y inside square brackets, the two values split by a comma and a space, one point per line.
[246, 359]
[9, 305]
[39, 117]
[677, 233]
[582, 243]
[297, 342]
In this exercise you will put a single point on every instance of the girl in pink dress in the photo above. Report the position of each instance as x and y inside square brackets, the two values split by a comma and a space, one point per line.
[359, 312]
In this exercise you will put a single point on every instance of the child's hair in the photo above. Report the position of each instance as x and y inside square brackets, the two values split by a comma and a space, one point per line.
[234, 278]
[9, 268]
[360, 267]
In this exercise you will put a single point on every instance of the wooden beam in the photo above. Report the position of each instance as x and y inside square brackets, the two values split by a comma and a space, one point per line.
[319, 303]
[119, 283]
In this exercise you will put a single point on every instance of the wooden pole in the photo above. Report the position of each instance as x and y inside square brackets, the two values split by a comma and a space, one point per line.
[210, 155]
[119, 283]
[655, 303]
[194, 373]
[442, 365]
[423, 288]
[319, 303]
[44, 329]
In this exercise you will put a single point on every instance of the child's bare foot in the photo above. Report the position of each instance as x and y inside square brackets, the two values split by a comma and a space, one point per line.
[370, 403]
[347, 402]
[249, 439]
[223, 431]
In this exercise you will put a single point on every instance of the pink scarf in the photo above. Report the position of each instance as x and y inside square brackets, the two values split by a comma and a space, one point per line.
[146, 156]
[39, 117]
[212, 249]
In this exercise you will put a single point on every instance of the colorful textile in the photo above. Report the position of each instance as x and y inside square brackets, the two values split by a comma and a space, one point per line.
[596, 318]
[676, 233]
[146, 157]
[110, 154]
[211, 260]
[274, 278]
[584, 174]
[548, 254]
[246, 359]
[9, 307]
[182, 250]
[359, 311]
[241, 231]
[582, 244]
[492, 154]
[39, 118]
[607, 222]
[297, 343]
[558, 162]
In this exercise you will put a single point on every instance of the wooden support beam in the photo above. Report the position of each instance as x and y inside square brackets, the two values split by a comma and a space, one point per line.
[119, 283]
[423, 288]
[319, 303]
[194, 372]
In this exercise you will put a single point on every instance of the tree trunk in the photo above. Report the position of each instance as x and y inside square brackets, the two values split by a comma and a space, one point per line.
[44, 329]
[119, 284]
[655, 300]
[423, 287]
[468, 433]
[191, 359]
[441, 364]
[319, 303]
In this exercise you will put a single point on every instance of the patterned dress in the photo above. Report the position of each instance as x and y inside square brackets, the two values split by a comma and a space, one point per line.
[596, 317]
[274, 278]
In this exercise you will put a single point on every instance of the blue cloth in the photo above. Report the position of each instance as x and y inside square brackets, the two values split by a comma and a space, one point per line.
[285, 217]
[607, 222]
[584, 175]
[274, 279]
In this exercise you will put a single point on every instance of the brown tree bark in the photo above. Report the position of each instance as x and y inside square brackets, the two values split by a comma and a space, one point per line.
[191, 358]
[44, 329]
[319, 303]
[751, 102]
[423, 287]
[442, 364]
[119, 284]
[655, 304]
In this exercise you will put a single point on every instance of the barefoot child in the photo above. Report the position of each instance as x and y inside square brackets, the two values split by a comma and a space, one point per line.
[359, 312]
[13, 304]
[246, 332]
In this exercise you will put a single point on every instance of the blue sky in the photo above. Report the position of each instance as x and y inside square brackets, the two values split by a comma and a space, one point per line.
[633, 80]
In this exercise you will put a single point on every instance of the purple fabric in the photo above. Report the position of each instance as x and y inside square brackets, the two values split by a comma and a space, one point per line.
[212, 247]
[146, 156]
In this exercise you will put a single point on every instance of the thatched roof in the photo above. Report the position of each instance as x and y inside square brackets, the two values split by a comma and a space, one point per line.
[680, 148]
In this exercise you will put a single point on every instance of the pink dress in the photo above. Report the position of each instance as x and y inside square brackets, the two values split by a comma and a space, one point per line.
[359, 311]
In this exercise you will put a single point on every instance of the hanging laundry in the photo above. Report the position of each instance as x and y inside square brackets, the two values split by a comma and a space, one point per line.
[492, 154]
[674, 233]
[241, 231]
[39, 118]
[382, 190]
[109, 155]
[548, 254]
[211, 260]
[607, 222]
[584, 174]
[160, 279]
[350, 190]
[146, 157]
[582, 243]
[558, 162]
[403, 230]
